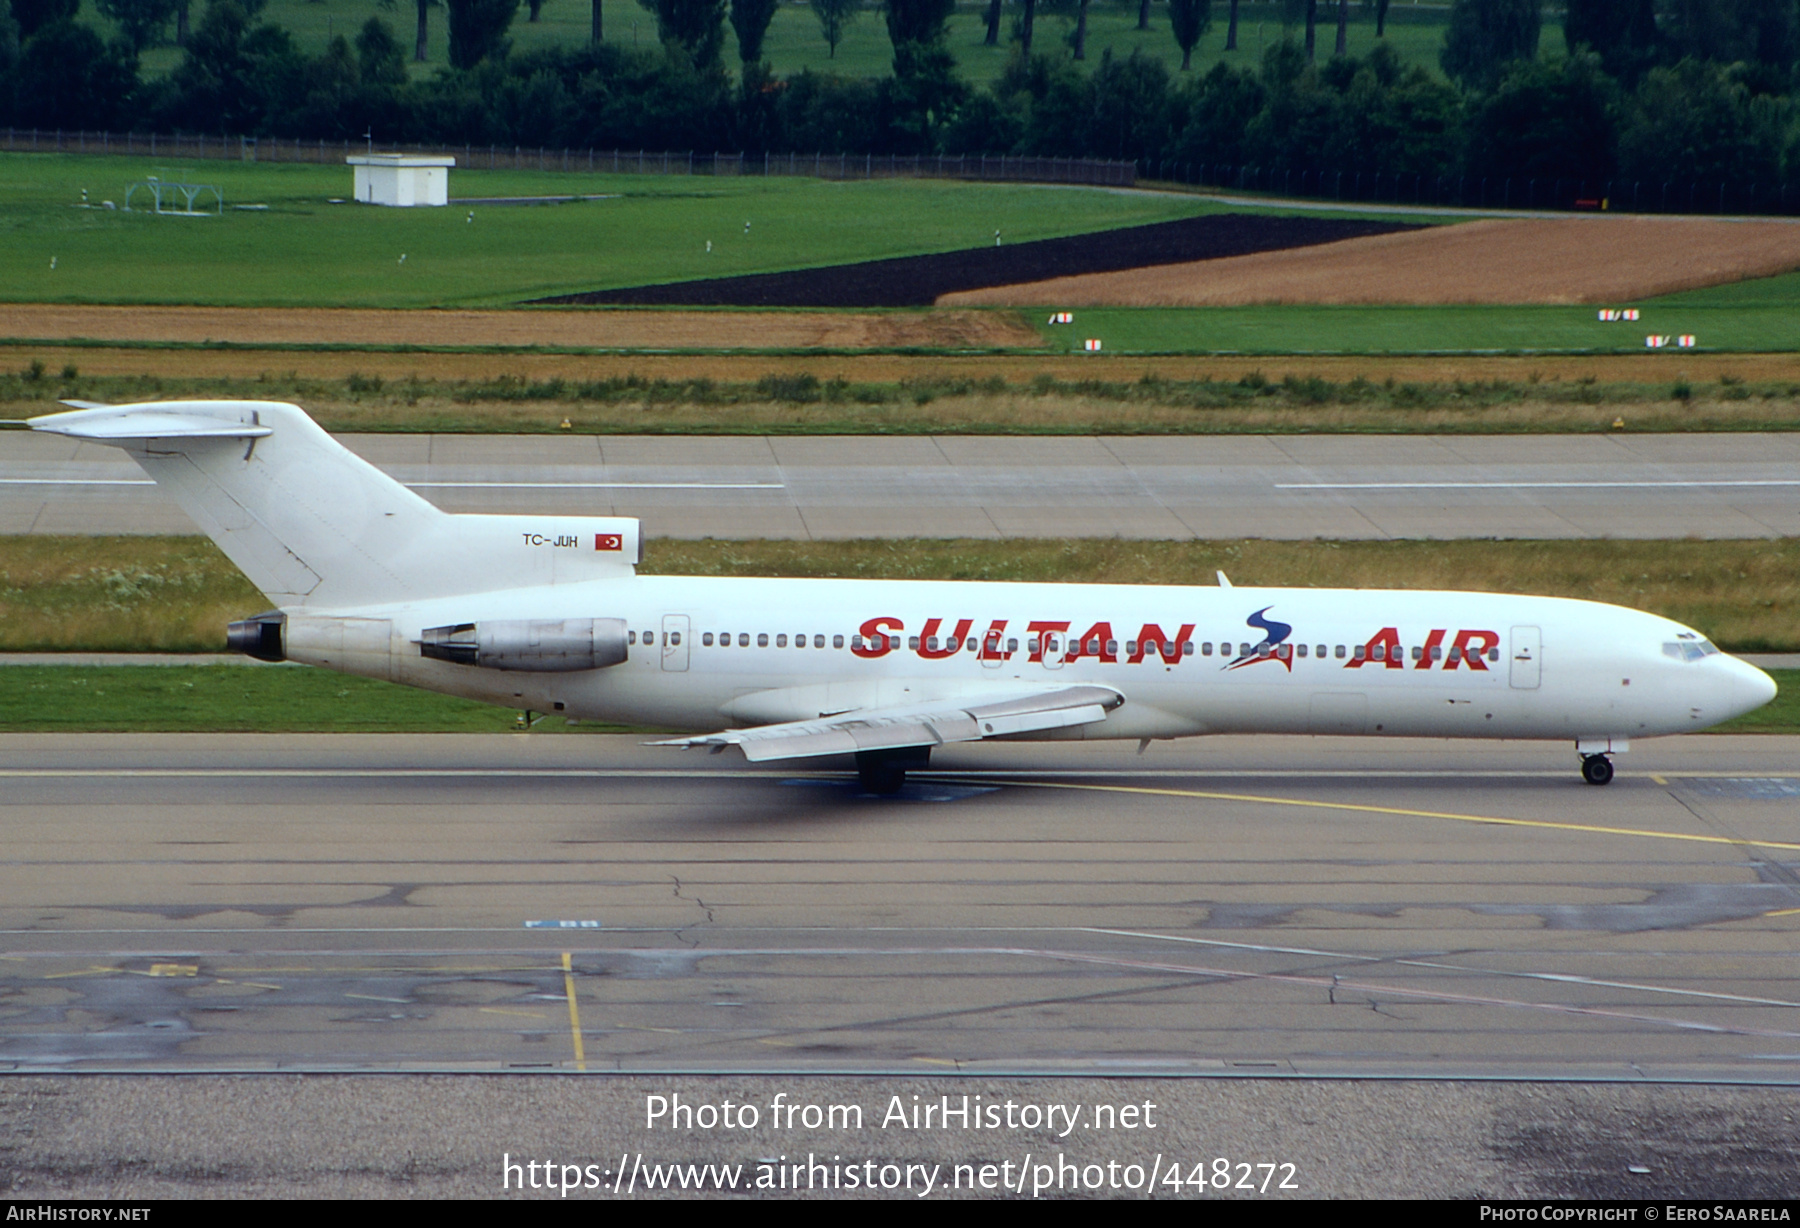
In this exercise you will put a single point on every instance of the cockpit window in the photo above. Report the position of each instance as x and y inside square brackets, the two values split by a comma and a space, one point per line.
[1688, 649]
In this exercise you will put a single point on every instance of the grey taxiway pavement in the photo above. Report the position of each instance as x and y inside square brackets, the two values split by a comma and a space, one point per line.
[1561, 486]
[1234, 905]
[381, 965]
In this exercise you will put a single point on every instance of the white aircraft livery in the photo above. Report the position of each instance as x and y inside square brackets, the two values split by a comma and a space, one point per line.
[548, 614]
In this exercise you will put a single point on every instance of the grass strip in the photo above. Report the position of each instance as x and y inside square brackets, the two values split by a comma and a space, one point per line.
[295, 699]
[237, 699]
[175, 594]
[801, 403]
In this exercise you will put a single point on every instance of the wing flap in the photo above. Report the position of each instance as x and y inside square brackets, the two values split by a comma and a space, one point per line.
[966, 719]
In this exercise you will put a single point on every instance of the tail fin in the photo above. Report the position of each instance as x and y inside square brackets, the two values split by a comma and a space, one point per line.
[315, 526]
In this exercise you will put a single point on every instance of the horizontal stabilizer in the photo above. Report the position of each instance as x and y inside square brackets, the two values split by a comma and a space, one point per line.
[932, 724]
[105, 423]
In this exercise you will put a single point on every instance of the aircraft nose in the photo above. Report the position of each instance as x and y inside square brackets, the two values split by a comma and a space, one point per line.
[1751, 688]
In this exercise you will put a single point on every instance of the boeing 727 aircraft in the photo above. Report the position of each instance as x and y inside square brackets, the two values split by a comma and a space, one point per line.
[547, 613]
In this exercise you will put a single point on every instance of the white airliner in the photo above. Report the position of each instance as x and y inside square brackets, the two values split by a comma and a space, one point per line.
[548, 614]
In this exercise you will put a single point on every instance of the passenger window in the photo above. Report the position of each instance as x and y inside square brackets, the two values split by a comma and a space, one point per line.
[1339, 654]
[1206, 649]
[649, 637]
[1303, 650]
[837, 641]
[743, 639]
[631, 637]
[762, 639]
[781, 641]
[1437, 652]
[1362, 649]
[1493, 654]
[706, 640]
[674, 638]
[1187, 648]
[931, 643]
[799, 641]
[818, 641]
[1012, 645]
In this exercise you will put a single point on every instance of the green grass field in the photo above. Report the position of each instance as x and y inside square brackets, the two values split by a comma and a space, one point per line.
[303, 251]
[1750, 324]
[175, 594]
[1416, 33]
[235, 699]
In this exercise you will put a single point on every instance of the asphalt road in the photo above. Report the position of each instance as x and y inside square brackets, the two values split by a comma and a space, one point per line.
[1496, 981]
[1294, 487]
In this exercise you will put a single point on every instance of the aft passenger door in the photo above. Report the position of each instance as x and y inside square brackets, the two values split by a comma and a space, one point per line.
[675, 643]
[1526, 651]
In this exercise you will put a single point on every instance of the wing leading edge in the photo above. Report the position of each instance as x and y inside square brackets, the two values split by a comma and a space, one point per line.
[930, 724]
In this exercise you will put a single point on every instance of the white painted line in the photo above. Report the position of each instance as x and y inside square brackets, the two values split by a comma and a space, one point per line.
[775, 776]
[1441, 966]
[1521, 485]
[452, 485]
[601, 485]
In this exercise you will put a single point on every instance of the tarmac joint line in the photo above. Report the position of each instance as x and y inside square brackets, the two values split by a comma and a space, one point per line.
[1363, 808]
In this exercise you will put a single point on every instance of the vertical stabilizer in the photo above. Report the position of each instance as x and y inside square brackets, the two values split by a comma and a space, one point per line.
[315, 526]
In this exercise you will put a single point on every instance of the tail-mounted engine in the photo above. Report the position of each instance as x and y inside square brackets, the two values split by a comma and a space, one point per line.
[539, 645]
[260, 636]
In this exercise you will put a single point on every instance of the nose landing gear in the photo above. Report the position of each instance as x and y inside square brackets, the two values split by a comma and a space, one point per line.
[1596, 769]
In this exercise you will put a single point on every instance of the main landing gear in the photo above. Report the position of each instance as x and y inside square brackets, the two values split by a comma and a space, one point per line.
[883, 772]
[1596, 769]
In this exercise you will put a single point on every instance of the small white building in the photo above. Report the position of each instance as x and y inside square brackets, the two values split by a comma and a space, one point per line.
[402, 179]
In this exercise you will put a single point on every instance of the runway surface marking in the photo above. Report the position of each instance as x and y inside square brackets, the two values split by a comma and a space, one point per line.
[450, 485]
[1334, 983]
[1441, 966]
[1405, 813]
[574, 1013]
[1528, 485]
[523, 961]
[1001, 776]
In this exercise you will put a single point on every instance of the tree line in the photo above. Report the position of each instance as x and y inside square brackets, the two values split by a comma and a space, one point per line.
[1647, 90]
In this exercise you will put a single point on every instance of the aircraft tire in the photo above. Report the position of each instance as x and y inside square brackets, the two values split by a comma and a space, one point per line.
[1597, 770]
[883, 779]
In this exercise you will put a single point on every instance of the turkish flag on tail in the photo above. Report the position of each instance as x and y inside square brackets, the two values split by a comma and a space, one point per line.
[608, 541]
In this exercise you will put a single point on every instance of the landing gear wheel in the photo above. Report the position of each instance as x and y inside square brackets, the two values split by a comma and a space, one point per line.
[1596, 769]
[881, 779]
[883, 772]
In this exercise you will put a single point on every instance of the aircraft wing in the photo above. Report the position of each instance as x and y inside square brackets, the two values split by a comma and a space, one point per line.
[963, 719]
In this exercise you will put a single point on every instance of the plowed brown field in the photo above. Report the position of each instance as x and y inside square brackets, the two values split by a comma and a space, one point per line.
[585, 329]
[1553, 260]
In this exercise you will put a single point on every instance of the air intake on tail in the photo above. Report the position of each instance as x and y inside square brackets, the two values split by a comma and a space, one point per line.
[260, 636]
[541, 645]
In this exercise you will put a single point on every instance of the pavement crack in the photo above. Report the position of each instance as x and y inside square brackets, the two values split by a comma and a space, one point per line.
[695, 900]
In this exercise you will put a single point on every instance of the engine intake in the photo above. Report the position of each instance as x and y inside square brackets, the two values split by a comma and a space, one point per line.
[537, 645]
[261, 636]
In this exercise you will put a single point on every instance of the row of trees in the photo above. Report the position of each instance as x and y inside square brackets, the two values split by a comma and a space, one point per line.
[1629, 100]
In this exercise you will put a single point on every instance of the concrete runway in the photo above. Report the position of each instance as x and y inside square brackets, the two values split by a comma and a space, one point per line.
[1291, 487]
[1319, 907]
[1492, 980]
